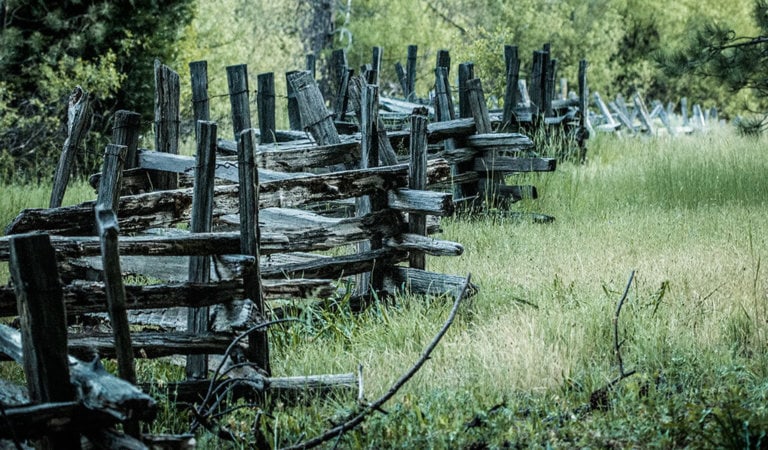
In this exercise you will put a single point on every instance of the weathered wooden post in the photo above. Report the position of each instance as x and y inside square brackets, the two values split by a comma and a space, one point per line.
[369, 157]
[443, 112]
[443, 87]
[339, 70]
[111, 176]
[549, 85]
[201, 105]
[386, 152]
[167, 119]
[376, 65]
[265, 101]
[585, 128]
[684, 110]
[237, 82]
[258, 346]
[311, 64]
[479, 111]
[411, 73]
[201, 222]
[294, 117]
[536, 87]
[466, 73]
[78, 115]
[417, 179]
[40, 306]
[126, 132]
[512, 64]
[315, 117]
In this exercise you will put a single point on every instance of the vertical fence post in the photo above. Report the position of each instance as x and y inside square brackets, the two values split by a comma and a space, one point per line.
[417, 179]
[311, 64]
[376, 64]
[535, 88]
[410, 73]
[443, 113]
[466, 73]
[237, 82]
[258, 346]
[512, 64]
[111, 176]
[265, 102]
[126, 132]
[369, 157]
[201, 104]
[584, 125]
[43, 325]
[167, 118]
[487, 184]
[78, 115]
[201, 221]
[549, 84]
[443, 90]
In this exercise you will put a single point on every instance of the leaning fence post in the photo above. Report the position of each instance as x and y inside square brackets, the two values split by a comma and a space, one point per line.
[258, 346]
[167, 118]
[201, 221]
[315, 117]
[40, 305]
[78, 114]
[294, 117]
[417, 179]
[466, 73]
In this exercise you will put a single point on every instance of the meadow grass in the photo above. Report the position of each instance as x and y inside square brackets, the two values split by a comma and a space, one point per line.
[524, 356]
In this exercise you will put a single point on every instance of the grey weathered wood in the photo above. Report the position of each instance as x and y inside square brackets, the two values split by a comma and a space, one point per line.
[377, 54]
[608, 117]
[417, 178]
[402, 78]
[662, 113]
[420, 244]
[237, 83]
[202, 222]
[466, 73]
[369, 157]
[514, 164]
[534, 87]
[339, 68]
[258, 345]
[78, 117]
[444, 112]
[310, 64]
[43, 326]
[549, 84]
[512, 142]
[477, 106]
[167, 120]
[585, 129]
[684, 110]
[154, 209]
[422, 202]
[698, 117]
[512, 63]
[115, 291]
[265, 101]
[645, 118]
[151, 344]
[420, 282]
[294, 116]
[386, 152]
[112, 169]
[286, 158]
[342, 96]
[315, 117]
[201, 105]
[335, 267]
[94, 386]
[622, 117]
[91, 297]
[411, 72]
[126, 132]
[106, 224]
[30, 421]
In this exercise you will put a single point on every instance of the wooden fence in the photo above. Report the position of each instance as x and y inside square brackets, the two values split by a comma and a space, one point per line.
[255, 225]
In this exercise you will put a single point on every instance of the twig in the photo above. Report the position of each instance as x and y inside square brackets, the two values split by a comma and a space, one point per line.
[359, 418]
[616, 345]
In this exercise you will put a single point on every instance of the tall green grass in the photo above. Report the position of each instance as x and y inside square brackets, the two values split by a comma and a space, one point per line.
[524, 356]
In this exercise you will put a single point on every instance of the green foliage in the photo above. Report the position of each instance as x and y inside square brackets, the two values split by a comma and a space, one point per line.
[47, 48]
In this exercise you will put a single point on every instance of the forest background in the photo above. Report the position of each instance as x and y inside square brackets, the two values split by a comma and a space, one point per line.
[46, 48]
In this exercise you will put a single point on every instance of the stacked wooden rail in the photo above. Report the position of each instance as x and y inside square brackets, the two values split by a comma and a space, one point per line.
[634, 118]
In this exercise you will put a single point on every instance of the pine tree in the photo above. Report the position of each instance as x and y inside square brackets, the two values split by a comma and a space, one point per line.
[48, 47]
[737, 62]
